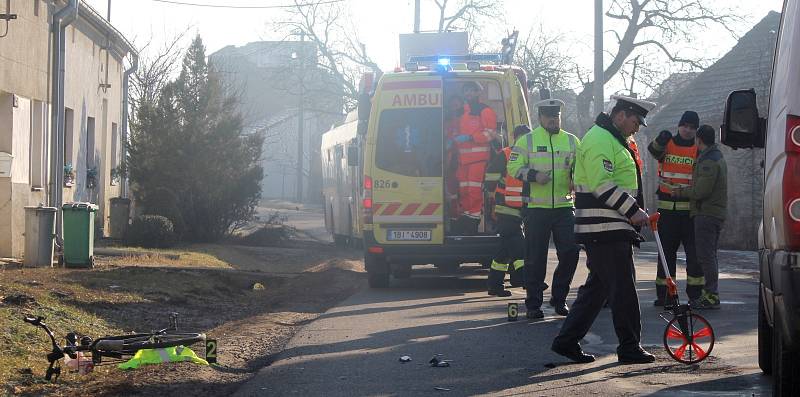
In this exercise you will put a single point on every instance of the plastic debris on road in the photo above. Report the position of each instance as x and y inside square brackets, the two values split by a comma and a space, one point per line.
[437, 362]
[405, 359]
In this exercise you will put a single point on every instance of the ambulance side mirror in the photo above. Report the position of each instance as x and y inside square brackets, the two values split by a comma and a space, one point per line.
[352, 155]
[742, 127]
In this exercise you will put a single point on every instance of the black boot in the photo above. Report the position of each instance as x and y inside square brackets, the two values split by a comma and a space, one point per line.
[495, 282]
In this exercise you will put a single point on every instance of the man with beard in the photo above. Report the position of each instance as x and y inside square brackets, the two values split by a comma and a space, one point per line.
[545, 159]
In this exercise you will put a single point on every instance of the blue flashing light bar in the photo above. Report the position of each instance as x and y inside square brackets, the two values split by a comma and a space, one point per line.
[449, 59]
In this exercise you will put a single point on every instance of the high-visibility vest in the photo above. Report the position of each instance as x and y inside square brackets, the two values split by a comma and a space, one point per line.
[542, 151]
[676, 166]
[675, 170]
[477, 124]
[508, 196]
[164, 355]
[606, 186]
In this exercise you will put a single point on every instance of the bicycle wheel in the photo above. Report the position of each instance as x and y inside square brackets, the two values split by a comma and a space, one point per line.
[134, 343]
[689, 338]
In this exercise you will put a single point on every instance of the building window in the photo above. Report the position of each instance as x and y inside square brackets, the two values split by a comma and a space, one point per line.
[36, 8]
[38, 144]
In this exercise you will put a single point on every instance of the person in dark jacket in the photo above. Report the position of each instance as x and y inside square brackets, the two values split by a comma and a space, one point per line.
[708, 197]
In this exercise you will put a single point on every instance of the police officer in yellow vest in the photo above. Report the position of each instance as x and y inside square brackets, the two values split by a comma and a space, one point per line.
[508, 201]
[676, 156]
[545, 159]
[608, 212]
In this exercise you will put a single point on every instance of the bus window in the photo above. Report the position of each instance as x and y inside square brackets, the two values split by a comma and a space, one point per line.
[410, 142]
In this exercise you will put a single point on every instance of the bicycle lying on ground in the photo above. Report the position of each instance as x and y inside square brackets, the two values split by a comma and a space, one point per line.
[117, 347]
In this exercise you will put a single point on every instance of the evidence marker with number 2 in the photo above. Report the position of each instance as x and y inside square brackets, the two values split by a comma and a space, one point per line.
[211, 351]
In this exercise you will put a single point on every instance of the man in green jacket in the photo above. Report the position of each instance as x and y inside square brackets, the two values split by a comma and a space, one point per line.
[708, 198]
[545, 160]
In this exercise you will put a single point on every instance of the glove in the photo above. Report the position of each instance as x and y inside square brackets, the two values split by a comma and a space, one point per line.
[640, 218]
[543, 178]
[663, 137]
[462, 138]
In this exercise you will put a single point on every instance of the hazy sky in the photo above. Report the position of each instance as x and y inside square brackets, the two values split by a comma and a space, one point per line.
[380, 21]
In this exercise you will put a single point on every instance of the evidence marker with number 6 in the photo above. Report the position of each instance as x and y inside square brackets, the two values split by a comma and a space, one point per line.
[513, 311]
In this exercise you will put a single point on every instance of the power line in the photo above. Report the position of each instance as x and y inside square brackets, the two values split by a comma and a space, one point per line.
[182, 3]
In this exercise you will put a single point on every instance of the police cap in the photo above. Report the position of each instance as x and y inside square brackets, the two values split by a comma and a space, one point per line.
[550, 107]
[636, 106]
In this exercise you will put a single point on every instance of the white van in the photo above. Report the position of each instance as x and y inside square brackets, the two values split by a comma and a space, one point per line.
[779, 234]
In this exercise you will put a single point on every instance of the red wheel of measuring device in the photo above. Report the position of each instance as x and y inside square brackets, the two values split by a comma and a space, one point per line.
[689, 338]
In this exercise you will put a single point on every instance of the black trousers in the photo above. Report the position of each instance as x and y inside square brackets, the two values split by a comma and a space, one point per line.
[540, 224]
[512, 243]
[612, 276]
[676, 228]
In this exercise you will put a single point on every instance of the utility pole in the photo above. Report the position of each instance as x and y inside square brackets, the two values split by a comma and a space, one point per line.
[599, 78]
[416, 16]
[300, 117]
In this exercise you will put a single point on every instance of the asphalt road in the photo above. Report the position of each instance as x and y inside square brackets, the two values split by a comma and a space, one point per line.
[354, 349]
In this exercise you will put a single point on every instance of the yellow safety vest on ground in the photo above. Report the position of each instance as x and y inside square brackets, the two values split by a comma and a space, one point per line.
[160, 356]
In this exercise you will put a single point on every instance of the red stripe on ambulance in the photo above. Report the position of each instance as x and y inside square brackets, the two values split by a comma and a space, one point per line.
[410, 209]
[391, 209]
[430, 209]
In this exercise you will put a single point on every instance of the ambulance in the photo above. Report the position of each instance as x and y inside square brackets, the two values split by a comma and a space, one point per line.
[404, 212]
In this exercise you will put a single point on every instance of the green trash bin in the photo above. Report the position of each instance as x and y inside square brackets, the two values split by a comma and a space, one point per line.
[78, 221]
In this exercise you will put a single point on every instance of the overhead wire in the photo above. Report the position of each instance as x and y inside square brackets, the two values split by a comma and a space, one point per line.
[184, 3]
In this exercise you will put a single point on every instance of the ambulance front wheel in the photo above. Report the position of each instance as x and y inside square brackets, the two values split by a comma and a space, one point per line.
[377, 270]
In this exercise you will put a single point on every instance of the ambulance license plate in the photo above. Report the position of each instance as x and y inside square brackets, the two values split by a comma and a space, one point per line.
[409, 235]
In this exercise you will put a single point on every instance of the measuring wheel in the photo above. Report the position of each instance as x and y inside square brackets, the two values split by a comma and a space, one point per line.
[688, 338]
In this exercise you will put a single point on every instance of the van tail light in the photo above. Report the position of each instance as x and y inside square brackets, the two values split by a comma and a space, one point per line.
[791, 184]
[367, 202]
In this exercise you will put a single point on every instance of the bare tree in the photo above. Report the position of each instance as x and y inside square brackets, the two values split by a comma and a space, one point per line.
[661, 26]
[464, 14]
[546, 60]
[157, 67]
[470, 16]
[340, 53]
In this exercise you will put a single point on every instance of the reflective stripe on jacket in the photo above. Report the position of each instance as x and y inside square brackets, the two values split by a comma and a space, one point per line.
[476, 124]
[675, 169]
[675, 162]
[606, 185]
[541, 151]
[509, 192]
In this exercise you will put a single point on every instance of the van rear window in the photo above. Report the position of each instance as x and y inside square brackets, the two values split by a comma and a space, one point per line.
[410, 142]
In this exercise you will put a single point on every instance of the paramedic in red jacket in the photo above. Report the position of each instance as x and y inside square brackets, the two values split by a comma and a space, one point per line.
[477, 131]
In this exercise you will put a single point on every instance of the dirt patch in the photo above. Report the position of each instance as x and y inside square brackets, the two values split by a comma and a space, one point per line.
[251, 325]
